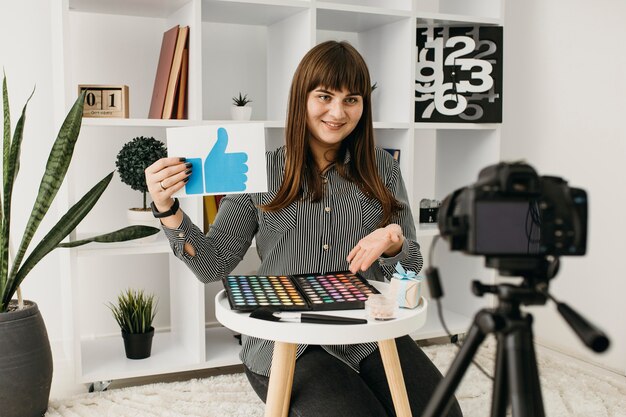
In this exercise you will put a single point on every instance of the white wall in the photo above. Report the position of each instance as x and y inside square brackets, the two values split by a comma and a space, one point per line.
[26, 57]
[564, 92]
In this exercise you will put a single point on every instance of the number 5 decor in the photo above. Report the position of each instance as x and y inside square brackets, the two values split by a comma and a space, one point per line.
[105, 100]
[458, 77]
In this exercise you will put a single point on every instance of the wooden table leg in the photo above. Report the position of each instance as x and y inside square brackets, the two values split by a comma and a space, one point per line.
[281, 380]
[391, 362]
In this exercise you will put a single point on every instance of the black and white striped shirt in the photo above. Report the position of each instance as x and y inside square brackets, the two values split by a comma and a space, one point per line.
[304, 237]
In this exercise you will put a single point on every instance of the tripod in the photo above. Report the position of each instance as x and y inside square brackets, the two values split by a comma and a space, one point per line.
[516, 377]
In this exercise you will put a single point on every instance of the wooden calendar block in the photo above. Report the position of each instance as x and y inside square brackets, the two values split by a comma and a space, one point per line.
[105, 100]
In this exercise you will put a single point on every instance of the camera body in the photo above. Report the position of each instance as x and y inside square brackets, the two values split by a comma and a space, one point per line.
[512, 212]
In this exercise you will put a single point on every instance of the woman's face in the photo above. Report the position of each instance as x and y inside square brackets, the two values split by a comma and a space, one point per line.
[332, 115]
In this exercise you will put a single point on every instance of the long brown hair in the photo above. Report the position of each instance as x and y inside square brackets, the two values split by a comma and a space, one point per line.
[333, 65]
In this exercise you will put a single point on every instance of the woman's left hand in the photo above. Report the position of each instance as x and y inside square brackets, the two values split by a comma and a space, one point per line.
[387, 240]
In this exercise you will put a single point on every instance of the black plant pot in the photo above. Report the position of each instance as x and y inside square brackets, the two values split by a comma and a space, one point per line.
[25, 362]
[138, 345]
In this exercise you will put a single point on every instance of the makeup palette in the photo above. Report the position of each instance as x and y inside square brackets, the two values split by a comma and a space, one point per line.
[329, 291]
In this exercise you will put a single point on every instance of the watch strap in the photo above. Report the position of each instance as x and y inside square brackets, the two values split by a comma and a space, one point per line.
[172, 210]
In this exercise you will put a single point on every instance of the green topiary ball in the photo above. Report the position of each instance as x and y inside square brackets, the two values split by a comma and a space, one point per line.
[134, 157]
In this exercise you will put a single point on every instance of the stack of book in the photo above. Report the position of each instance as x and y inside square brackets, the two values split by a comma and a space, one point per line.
[169, 96]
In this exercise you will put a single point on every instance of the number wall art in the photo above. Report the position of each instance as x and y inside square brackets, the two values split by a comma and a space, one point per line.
[458, 77]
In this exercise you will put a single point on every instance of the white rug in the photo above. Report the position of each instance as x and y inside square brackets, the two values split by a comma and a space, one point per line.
[569, 390]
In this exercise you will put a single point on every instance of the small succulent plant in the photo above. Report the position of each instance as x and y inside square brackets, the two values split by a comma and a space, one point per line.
[241, 100]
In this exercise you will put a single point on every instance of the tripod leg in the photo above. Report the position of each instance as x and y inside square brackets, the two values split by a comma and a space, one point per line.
[439, 402]
[526, 400]
[500, 398]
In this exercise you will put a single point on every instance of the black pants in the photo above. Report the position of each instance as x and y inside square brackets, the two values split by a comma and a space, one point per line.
[324, 386]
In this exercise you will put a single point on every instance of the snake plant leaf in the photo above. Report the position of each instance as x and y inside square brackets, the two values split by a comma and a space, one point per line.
[6, 147]
[11, 170]
[121, 235]
[57, 233]
[56, 168]
[6, 143]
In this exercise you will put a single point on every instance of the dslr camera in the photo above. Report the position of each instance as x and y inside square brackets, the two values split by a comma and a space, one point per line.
[512, 212]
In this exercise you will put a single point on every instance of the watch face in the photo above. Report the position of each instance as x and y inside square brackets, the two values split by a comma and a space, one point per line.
[458, 77]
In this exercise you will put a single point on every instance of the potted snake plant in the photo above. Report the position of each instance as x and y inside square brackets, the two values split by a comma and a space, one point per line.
[25, 356]
[238, 110]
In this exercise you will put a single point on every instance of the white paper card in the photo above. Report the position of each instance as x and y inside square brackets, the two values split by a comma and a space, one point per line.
[225, 158]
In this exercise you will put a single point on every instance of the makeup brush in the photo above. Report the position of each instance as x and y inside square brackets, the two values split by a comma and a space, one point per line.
[271, 314]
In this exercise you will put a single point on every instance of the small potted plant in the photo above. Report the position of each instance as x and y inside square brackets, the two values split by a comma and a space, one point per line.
[239, 111]
[132, 160]
[134, 313]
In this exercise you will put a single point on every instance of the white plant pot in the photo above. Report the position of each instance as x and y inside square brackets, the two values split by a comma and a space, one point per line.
[241, 112]
[141, 217]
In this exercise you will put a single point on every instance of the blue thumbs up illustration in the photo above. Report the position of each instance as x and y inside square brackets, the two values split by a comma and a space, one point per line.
[223, 172]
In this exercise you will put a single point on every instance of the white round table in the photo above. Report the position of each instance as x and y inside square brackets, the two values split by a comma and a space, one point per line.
[288, 335]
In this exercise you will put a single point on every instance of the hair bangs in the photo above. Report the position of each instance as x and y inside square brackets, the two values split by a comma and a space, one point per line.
[339, 69]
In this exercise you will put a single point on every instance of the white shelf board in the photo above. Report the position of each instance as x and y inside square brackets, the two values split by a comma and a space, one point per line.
[222, 349]
[427, 229]
[111, 122]
[456, 126]
[251, 12]
[391, 125]
[160, 245]
[444, 19]
[145, 8]
[358, 9]
[104, 359]
[455, 322]
[346, 18]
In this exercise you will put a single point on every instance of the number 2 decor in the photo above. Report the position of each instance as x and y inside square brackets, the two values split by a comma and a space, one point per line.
[458, 77]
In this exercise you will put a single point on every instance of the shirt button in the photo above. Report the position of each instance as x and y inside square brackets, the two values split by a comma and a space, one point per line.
[181, 234]
[326, 247]
[325, 181]
[327, 209]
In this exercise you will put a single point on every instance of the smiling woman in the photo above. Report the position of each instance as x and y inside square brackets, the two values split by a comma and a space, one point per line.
[334, 202]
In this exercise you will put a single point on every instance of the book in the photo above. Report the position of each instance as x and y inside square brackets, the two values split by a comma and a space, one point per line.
[172, 83]
[209, 211]
[181, 96]
[168, 45]
[394, 152]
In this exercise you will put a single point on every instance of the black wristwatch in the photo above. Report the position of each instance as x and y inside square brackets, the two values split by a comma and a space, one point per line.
[167, 213]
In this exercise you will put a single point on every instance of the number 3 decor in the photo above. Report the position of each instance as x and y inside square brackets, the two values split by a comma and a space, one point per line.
[459, 74]
[105, 100]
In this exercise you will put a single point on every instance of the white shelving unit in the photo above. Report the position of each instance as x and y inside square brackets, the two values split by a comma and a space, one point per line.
[252, 46]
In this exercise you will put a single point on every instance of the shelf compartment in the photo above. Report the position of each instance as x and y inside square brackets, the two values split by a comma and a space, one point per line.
[257, 58]
[104, 358]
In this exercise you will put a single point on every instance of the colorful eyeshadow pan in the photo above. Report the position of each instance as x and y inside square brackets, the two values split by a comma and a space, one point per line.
[330, 291]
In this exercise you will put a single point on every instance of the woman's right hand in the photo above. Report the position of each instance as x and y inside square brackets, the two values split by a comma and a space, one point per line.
[165, 177]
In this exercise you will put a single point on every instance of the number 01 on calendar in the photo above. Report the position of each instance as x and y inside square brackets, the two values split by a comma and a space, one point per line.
[105, 100]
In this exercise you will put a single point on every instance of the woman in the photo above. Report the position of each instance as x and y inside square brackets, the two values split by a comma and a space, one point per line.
[334, 202]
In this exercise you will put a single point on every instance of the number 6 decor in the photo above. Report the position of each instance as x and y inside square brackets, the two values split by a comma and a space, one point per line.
[105, 100]
[458, 77]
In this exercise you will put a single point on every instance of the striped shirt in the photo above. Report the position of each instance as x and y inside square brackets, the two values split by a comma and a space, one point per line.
[304, 237]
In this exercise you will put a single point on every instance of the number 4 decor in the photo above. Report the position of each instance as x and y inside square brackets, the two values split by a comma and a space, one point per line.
[458, 77]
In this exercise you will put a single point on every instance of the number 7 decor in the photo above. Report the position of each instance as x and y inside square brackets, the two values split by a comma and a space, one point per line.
[458, 77]
[225, 158]
[105, 100]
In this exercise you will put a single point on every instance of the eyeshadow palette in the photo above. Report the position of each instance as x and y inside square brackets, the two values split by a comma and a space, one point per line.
[329, 291]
